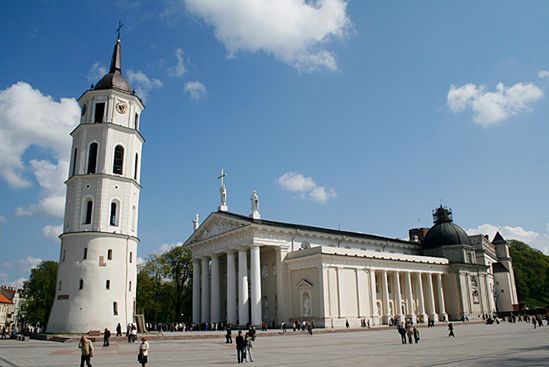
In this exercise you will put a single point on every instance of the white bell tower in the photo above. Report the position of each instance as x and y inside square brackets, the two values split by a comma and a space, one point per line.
[96, 280]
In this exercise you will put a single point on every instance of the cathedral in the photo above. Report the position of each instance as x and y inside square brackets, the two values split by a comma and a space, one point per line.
[250, 270]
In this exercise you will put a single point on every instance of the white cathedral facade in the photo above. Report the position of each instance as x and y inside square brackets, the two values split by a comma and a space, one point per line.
[96, 281]
[250, 270]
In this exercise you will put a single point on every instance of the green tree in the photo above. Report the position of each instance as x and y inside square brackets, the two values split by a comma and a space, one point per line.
[164, 286]
[531, 268]
[40, 293]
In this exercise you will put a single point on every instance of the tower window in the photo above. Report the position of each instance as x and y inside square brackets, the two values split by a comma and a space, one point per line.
[131, 257]
[85, 253]
[134, 218]
[89, 211]
[130, 286]
[135, 169]
[99, 112]
[59, 286]
[81, 286]
[108, 284]
[115, 308]
[118, 163]
[92, 158]
[74, 161]
[109, 254]
[64, 254]
[136, 121]
[114, 221]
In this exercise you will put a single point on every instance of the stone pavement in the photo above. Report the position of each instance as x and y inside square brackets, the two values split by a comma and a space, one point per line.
[474, 345]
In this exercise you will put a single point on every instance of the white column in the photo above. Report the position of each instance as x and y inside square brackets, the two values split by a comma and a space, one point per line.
[196, 290]
[231, 288]
[431, 298]
[243, 315]
[216, 291]
[398, 307]
[385, 295]
[373, 297]
[409, 297]
[205, 290]
[441, 309]
[419, 288]
[255, 282]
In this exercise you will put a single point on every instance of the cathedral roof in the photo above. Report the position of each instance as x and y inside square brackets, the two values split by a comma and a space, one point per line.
[313, 229]
[114, 78]
[444, 232]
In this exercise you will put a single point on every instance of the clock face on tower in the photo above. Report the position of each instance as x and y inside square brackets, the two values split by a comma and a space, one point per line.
[121, 107]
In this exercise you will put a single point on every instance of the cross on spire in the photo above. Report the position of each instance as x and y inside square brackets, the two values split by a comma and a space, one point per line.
[120, 25]
[222, 176]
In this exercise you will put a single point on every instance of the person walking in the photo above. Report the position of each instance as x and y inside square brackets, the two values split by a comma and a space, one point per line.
[416, 334]
[86, 347]
[229, 335]
[143, 355]
[451, 329]
[409, 333]
[402, 332]
[249, 346]
[240, 347]
[310, 329]
[106, 337]
[118, 330]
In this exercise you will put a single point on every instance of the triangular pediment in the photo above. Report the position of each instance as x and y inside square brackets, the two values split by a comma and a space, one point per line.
[215, 225]
[304, 283]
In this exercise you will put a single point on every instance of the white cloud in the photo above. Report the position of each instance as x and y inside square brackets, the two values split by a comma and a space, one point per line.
[491, 108]
[196, 90]
[29, 118]
[140, 260]
[306, 187]
[179, 69]
[3, 219]
[293, 31]
[29, 263]
[532, 238]
[52, 232]
[165, 247]
[21, 212]
[97, 71]
[143, 84]
[543, 74]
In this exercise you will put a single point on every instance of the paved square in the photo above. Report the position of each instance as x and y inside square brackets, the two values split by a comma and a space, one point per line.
[474, 345]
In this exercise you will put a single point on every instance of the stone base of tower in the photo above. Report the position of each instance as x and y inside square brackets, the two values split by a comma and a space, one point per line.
[96, 292]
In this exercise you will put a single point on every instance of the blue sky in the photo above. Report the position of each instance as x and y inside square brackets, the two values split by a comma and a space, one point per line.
[360, 114]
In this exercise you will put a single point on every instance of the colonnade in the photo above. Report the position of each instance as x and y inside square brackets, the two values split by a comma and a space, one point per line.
[419, 295]
[242, 306]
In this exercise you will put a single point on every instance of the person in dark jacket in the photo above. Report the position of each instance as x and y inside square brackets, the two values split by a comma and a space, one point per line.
[451, 329]
[240, 345]
[229, 336]
[402, 332]
[106, 337]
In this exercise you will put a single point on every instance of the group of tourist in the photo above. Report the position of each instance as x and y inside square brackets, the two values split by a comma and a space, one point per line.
[408, 331]
[86, 348]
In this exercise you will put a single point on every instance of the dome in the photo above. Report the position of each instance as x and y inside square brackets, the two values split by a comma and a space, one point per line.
[444, 232]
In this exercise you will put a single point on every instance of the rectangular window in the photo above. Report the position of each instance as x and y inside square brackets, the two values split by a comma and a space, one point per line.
[64, 254]
[99, 112]
[136, 121]
[131, 257]
[89, 210]
[85, 253]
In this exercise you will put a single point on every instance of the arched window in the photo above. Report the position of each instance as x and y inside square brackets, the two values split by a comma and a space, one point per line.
[108, 284]
[135, 169]
[114, 216]
[89, 211]
[85, 253]
[118, 162]
[136, 121]
[109, 254]
[81, 286]
[131, 257]
[115, 308]
[59, 286]
[92, 158]
[64, 254]
[130, 286]
[74, 161]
